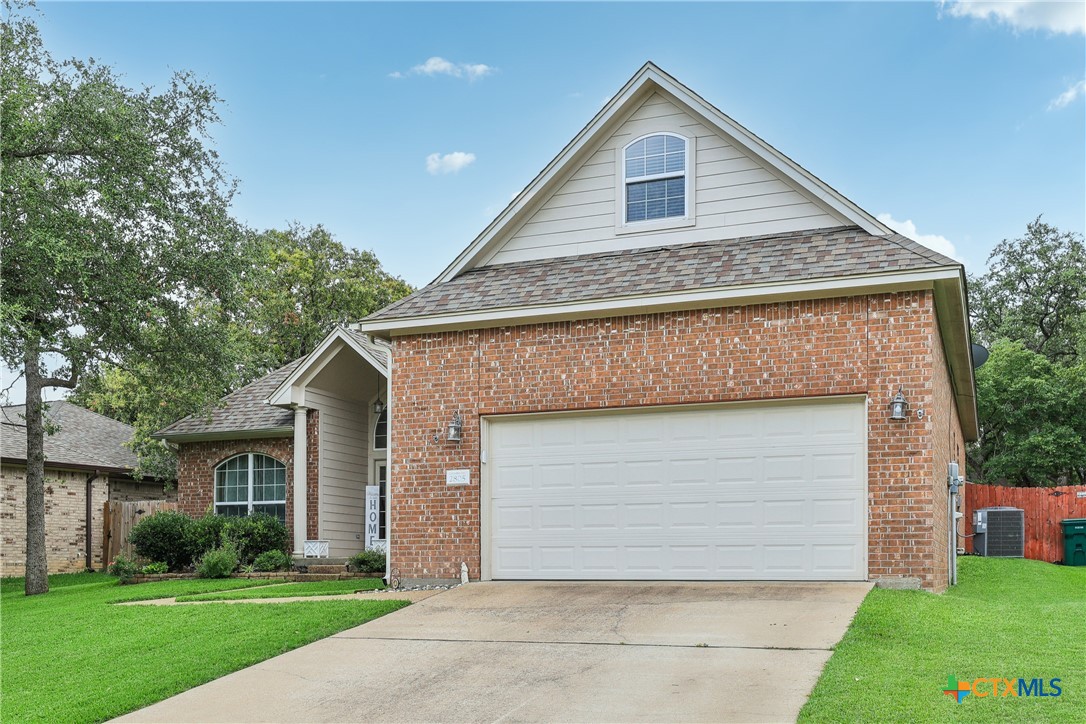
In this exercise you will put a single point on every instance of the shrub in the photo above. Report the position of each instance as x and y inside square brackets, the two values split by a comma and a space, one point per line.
[157, 567]
[254, 534]
[371, 560]
[162, 537]
[205, 534]
[124, 568]
[219, 563]
[271, 561]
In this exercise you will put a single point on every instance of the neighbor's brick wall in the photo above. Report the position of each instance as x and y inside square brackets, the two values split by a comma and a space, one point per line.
[866, 344]
[65, 516]
[196, 462]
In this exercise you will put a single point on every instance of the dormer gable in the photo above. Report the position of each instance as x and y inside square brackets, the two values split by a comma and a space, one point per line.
[598, 196]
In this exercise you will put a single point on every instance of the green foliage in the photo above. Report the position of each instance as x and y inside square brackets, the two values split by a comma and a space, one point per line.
[205, 534]
[255, 534]
[124, 569]
[1033, 428]
[292, 590]
[219, 563]
[83, 641]
[274, 560]
[163, 536]
[155, 568]
[371, 560]
[306, 282]
[1035, 293]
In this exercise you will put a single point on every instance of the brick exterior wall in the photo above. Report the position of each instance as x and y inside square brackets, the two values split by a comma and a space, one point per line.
[196, 462]
[852, 345]
[65, 516]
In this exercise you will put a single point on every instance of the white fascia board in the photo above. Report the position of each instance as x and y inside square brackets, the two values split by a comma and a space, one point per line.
[635, 87]
[557, 165]
[644, 304]
[315, 362]
[255, 434]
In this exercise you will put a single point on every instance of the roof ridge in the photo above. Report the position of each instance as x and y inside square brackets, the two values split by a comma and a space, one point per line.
[87, 409]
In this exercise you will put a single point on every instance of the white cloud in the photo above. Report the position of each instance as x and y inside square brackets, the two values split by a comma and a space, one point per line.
[935, 242]
[1069, 96]
[1056, 17]
[439, 66]
[437, 163]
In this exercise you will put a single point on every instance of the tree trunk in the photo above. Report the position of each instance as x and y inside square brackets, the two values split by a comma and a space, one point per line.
[37, 569]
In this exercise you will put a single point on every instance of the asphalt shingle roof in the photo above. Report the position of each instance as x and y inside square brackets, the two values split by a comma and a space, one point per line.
[240, 411]
[806, 255]
[83, 437]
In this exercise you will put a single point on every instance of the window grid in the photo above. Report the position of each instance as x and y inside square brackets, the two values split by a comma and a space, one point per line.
[251, 483]
[655, 178]
[380, 431]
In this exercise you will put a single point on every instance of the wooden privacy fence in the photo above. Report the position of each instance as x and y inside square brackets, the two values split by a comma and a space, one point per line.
[1044, 509]
[118, 518]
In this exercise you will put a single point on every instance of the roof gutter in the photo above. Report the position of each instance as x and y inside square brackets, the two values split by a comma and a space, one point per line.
[225, 435]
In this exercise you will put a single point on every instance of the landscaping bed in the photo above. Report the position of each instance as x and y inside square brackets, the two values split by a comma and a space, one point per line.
[1006, 619]
[70, 656]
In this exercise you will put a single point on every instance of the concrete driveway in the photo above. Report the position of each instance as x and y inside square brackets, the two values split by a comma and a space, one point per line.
[551, 652]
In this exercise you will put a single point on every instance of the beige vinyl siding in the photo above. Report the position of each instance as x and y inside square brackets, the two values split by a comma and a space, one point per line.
[734, 196]
[344, 470]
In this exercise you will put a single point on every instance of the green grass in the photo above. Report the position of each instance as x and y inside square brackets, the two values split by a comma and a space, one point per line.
[70, 656]
[316, 588]
[1005, 618]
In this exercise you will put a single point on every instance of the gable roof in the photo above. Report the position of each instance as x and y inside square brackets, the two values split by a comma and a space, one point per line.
[83, 439]
[312, 363]
[649, 79]
[799, 256]
[242, 413]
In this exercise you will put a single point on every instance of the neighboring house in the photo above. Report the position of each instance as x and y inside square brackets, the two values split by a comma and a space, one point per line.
[671, 357]
[86, 464]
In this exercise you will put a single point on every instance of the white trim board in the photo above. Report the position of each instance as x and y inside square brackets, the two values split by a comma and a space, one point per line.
[649, 79]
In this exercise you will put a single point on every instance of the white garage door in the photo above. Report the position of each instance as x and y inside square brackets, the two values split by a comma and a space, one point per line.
[768, 491]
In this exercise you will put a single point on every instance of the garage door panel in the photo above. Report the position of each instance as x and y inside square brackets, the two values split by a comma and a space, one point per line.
[765, 492]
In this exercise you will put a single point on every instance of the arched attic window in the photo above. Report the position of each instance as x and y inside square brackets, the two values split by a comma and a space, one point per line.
[654, 173]
[251, 483]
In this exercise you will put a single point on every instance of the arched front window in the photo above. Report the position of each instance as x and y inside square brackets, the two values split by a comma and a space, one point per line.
[654, 175]
[251, 483]
[380, 431]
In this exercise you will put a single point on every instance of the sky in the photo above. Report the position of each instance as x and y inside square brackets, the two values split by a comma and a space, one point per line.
[406, 128]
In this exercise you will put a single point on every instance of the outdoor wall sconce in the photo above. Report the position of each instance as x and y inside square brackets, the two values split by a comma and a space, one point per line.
[456, 427]
[898, 406]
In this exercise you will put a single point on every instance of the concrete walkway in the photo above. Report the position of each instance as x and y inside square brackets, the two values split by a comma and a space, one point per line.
[509, 652]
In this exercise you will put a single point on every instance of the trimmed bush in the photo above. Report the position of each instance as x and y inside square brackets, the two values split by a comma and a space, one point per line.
[271, 561]
[371, 560]
[162, 536]
[157, 567]
[219, 563]
[255, 534]
[205, 534]
[124, 568]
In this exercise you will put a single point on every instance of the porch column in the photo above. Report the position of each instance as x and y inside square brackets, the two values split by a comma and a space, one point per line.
[300, 481]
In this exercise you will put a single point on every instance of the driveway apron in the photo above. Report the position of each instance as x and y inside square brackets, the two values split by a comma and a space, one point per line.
[550, 651]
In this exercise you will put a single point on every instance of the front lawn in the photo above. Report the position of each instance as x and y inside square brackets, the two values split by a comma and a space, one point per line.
[316, 588]
[70, 656]
[1005, 618]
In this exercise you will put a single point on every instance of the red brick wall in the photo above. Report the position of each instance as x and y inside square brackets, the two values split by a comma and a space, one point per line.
[196, 463]
[867, 344]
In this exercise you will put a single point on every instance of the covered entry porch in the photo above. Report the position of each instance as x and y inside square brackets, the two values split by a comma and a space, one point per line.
[343, 384]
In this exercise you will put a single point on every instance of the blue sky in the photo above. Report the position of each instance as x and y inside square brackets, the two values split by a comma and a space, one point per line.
[966, 120]
[917, 110]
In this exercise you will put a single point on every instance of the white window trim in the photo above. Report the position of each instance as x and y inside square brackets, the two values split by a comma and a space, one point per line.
[249, 483]
[674, 222]
[375, 464]
[374, 419]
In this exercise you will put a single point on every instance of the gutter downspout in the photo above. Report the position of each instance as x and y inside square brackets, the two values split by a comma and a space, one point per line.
[388, 461]
[89, 564]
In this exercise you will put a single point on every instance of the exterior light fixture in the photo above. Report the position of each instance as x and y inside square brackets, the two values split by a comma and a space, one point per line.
[456, 427]
[378, 406]
[898, 406]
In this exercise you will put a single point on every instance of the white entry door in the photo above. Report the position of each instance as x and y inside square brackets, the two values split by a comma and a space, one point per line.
[765, 491]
